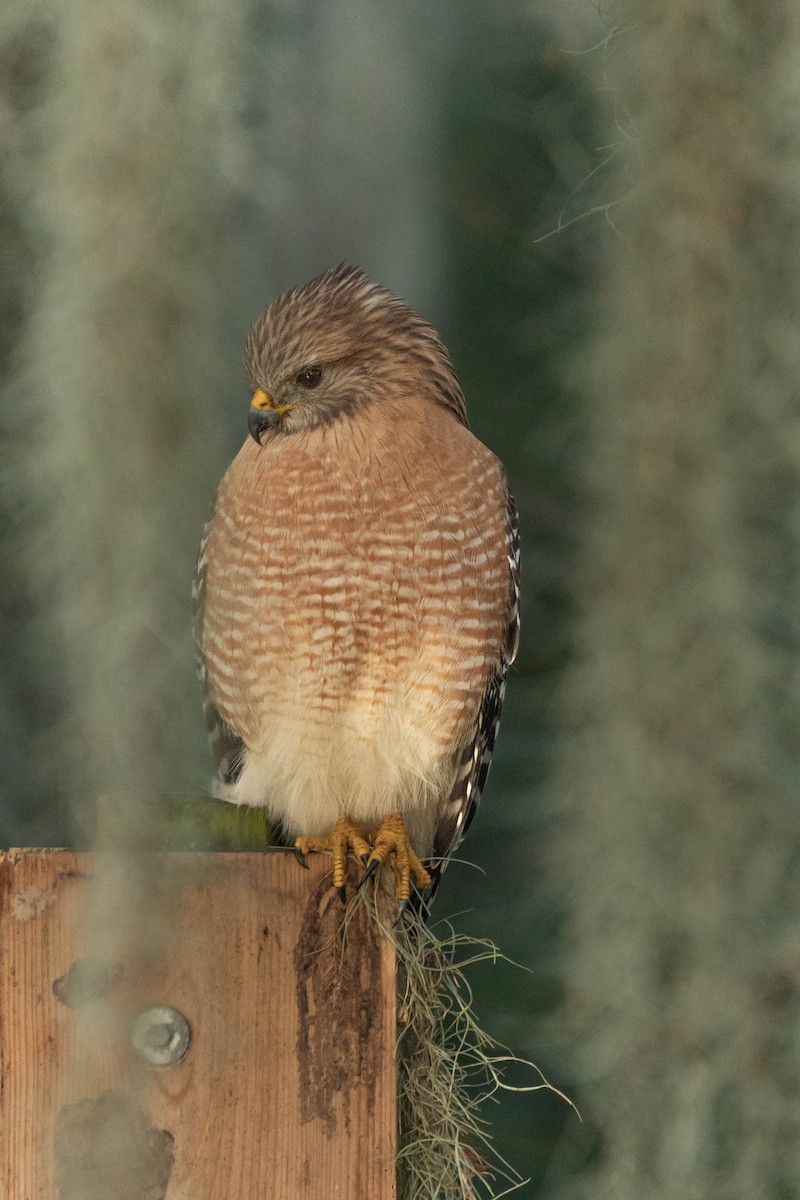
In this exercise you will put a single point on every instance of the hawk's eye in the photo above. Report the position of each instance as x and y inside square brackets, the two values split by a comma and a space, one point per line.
[309, 377]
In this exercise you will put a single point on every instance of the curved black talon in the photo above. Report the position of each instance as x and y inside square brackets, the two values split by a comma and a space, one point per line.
[301, 858]
[370, 871]
[403, 906]
[342, 894]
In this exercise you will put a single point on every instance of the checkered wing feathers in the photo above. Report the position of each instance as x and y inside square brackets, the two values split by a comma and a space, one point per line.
[226, 748]
[477, 756]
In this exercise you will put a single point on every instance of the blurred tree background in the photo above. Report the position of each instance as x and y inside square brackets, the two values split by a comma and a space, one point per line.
[601, 218]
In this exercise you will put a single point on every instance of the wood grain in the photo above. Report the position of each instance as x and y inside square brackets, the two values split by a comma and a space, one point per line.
[287, 1091]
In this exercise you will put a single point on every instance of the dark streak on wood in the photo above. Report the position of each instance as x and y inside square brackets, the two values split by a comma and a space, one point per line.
[338, 993]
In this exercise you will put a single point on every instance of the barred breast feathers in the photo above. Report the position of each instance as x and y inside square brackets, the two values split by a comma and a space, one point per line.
[355, 610]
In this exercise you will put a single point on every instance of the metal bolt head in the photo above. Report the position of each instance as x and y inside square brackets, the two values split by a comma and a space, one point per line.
[161, 1035]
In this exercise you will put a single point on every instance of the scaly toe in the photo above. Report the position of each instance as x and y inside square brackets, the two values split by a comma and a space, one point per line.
[345, 835]
[391, 838]
[304, 846]
[422, 877]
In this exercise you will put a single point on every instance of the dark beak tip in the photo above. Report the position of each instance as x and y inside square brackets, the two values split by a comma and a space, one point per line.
[259, 421]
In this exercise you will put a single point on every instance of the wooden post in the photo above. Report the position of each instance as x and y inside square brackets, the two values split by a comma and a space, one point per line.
[287, 1088]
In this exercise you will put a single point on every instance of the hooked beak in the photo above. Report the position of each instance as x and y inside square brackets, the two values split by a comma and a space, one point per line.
[264, 414]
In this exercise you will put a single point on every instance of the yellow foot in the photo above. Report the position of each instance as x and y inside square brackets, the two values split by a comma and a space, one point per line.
[346, 835]
[391, 838]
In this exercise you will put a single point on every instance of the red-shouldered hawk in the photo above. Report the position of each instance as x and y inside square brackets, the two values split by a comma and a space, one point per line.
[357, 586]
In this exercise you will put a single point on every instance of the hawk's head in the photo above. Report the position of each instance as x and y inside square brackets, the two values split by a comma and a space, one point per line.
[337, 342]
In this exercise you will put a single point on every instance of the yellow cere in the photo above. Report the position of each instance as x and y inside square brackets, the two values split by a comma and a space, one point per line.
[265, 403]
[262, 401]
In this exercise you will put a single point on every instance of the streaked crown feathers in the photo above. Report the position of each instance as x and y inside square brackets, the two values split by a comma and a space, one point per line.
[342, 316]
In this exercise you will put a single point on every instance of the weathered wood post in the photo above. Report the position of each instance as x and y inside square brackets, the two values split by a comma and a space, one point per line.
[285, 1089]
